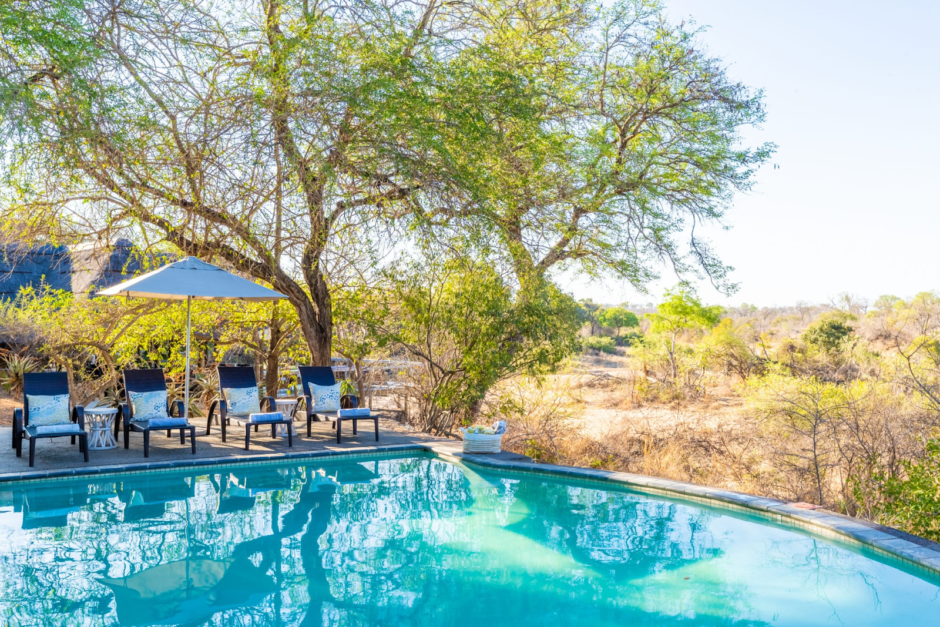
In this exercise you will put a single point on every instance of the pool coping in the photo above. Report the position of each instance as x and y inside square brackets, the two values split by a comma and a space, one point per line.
[918, 552]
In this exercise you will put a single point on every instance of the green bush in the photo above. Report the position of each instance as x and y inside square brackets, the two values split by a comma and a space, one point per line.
[828, 333]
[602, 344]
[911, 503]
[631, 338]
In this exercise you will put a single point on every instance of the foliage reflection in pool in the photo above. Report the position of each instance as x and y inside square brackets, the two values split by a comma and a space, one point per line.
[417, 541]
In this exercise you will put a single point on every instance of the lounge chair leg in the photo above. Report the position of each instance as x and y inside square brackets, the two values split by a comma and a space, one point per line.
[85, 446]
[127, 436]
[192, 438]
[273, 431]
[222, 422]
[73, 440]
[32, 451]
[247, 437]
[256, 428]
[182, 436]
[309, 423]
[355, 426]
[339, 431]
[19, 445]
[146, 444]
[376, 429]
[290, 436]
[169, 433]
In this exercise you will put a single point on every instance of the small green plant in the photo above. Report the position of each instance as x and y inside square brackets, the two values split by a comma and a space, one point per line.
[601, 344]
[603, 463]
[347, 387]
[532, 448]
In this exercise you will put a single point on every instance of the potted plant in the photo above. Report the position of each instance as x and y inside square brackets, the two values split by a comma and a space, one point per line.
[349, 397]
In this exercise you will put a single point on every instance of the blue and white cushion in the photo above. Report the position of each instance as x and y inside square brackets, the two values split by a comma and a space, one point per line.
[273, 416]
[167, 422]
[242, 401]
[356, 412]
[48, 410]
[148, 406]
[325, 397]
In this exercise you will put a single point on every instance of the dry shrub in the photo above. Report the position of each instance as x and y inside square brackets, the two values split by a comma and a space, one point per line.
[538, 417]
[699, 452]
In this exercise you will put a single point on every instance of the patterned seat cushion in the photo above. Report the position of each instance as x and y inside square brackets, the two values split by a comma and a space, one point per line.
[242, 402]
[67, 429]
[46, 411]
[148, 406]
[325, 397]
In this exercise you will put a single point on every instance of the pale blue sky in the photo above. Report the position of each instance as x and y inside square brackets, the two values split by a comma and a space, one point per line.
[853, 98]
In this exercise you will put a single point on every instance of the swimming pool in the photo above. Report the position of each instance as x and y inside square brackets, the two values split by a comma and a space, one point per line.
[419, 541]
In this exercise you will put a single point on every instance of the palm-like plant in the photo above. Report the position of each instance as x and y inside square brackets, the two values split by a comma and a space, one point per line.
[15, 366]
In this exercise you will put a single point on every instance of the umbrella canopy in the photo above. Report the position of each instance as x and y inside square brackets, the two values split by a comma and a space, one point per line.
[188, 279]
[191, 278]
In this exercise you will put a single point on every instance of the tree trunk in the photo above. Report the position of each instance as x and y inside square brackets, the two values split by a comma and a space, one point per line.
[672, 358]
[273, 358]
[321, 344]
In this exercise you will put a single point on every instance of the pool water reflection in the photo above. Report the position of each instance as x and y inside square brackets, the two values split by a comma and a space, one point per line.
[416, 541]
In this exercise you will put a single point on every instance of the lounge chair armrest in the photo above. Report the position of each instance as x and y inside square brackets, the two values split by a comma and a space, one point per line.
[269, 400]
[78, 415]
[212, 406]
[124, 412]
[18, 418]
[304, 400]
[178, 405]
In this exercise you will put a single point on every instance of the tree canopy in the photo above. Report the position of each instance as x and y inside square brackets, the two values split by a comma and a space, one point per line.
[291, 138]
[618, 318]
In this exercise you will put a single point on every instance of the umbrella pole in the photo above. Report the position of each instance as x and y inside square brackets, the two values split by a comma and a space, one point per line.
[189, 306]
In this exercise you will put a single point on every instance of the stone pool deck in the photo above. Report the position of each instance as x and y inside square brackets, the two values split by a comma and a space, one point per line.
[56, 458]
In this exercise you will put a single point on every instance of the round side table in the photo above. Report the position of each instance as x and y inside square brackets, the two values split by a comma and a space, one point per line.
[285, 405]
[99, 422]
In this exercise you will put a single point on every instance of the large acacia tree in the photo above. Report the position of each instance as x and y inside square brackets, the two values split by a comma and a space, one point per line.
[630, 143]
[276, 134]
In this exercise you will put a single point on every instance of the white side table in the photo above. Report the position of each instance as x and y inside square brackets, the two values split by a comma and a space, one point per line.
[285, 405]
[99, 422]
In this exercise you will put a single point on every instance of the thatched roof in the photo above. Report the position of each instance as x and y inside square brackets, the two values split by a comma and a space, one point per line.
[80, 270]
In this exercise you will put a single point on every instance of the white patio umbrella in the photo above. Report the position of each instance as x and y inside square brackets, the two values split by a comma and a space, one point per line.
[188, 279]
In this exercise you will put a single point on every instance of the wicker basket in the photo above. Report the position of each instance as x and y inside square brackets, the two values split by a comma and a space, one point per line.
[481, 442]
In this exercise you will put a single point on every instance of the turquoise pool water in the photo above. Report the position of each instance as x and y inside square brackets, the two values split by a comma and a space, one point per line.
[417, 541]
